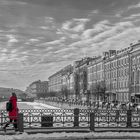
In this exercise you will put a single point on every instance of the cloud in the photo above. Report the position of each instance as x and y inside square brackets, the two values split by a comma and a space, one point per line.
[64, 50]
[69, 55]
[11, 39]
[104, 36]
[44, 27]
[55, 42]
[72, 29]
[3, 50]
[75, 25]
[116, 29]
[134, 6]
[122, 40]
[11, 2]
[35, 41]
[94, 12]
[97, 28]
[50, 23]
[133, 17]
[120, 13]
[74, 36]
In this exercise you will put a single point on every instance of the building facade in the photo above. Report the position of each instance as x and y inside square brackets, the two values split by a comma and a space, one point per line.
[116, 67]
[55, 82]
[95, 78]
[37, 87]
[80, 78]
[114, 76]
[119, 70]
[134, 85]
[62, 82]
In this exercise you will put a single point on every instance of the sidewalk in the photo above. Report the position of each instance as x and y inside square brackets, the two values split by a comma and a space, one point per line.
[71, 130]
[68, 134]
[48, 131]
[73, 136]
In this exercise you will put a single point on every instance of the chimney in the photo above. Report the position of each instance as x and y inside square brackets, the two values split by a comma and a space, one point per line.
[112, 52]
[105, 54]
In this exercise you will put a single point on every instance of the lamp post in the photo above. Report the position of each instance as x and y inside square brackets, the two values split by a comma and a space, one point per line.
[130, 72]
[135, 82]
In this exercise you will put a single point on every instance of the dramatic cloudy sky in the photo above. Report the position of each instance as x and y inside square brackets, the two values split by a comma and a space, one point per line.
[39, 37]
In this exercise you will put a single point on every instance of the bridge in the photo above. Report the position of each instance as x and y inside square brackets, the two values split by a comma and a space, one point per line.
[74, 120]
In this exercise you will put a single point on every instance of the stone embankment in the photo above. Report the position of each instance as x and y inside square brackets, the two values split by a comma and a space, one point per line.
[62, 105]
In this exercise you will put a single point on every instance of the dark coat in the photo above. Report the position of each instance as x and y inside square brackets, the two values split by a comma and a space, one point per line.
[14, 113]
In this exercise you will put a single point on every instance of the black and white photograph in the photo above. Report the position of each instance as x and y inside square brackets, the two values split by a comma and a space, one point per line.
[69, 69]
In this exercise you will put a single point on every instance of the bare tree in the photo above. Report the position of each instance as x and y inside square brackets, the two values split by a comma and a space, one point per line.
[84, 81]
[65, 92]
[76, 85]
[67, 74]
[98, 90]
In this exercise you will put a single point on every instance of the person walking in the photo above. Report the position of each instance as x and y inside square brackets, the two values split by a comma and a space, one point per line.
[13, 114]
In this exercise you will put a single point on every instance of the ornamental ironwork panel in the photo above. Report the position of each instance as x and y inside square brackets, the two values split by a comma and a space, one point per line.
[110, 118]
[65, 118]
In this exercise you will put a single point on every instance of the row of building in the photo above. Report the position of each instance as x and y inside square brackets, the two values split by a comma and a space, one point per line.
[114, 76]
[36, 88]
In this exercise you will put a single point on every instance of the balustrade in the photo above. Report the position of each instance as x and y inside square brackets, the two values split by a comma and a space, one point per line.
[71, 118]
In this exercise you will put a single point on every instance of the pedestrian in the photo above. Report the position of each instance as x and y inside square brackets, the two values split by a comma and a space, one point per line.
[13, 114]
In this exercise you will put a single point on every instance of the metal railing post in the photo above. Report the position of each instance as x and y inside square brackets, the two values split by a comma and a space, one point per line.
[76, 117]
[129, 116]
[20, 122]
[2, 116]
[92, 121]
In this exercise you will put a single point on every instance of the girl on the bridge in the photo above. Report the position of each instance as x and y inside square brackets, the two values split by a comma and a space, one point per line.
[14, 113]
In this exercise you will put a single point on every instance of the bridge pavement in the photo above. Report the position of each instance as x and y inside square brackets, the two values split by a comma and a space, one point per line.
[72, 130]
[71, 135]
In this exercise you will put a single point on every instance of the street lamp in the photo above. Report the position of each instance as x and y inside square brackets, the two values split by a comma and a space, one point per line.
[135, 82]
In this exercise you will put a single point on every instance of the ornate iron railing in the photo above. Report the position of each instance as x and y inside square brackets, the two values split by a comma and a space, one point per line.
[110, 118]
[32, 118]
[71, 118]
